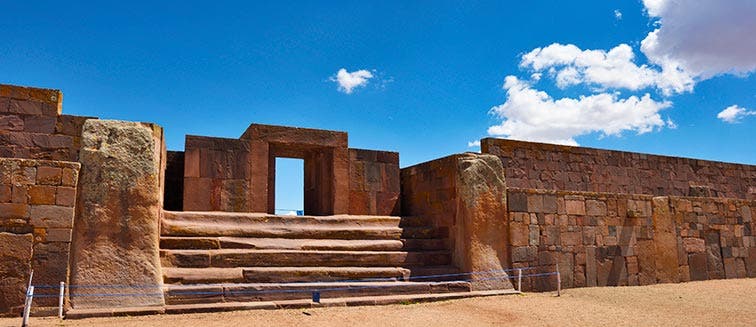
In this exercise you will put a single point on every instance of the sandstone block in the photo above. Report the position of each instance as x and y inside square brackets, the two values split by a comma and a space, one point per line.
[482, 211]
[51, 216]
[595, 208]
[518, 234]
[11, 123]
[5, 193]
[13, 210]
[694, 245]
[65, 196]
[575, 207]
[49, 175]
[517, 202]
[120, 201]
[42, 194]
[69, 177]
[535, 203]
[15, 267]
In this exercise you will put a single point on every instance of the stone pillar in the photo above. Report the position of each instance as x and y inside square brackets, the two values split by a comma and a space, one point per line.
[481, 240]
[116, 230]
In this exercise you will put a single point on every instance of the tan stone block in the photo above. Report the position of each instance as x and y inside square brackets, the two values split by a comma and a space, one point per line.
[535, 203]
[49, 175]
[5, 193]
[518, 234]
[694, 245]
[51, 216]
[25, 176]
[59, 235]
[69, 177]
[14, 210]
[575, 207]
[42, 194]
[20, 194]
[595, 208]
[65, 196]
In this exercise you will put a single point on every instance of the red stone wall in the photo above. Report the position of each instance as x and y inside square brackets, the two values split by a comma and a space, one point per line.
[32, 127]
[556, 167]
[601, 239]
[216, 174]
[374, 183]
[37, 197]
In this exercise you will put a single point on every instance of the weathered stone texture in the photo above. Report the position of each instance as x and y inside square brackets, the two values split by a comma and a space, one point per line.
[116, 233]
[374, 183]
[15, 267]
[558, 167]
[465, 193]
[622, 239]
[35, 200]
[32, 127]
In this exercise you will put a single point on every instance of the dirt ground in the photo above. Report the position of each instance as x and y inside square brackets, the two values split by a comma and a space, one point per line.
[709, 303]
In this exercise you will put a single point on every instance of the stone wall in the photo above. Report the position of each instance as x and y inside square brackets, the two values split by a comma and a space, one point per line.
[464, 196]
[374, 185]
[602, 239]
[216, 174]
[32, 127]
[557, 167]
[37, 201]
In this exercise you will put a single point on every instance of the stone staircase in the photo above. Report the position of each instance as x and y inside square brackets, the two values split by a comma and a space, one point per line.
[223, 257]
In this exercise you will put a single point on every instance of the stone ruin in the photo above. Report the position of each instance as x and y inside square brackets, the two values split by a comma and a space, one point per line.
[103, 206]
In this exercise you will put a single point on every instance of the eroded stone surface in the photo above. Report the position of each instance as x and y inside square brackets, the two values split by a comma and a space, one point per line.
[15, 266]
[116, 233]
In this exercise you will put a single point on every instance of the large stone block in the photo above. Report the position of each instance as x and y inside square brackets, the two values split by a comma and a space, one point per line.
[665, 240]
[15, 267]
[116, 234]
[481, 242]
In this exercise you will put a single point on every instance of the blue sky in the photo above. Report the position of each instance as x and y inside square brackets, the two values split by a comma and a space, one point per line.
[437, 70]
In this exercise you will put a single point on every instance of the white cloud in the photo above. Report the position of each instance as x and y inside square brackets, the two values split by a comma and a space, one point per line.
[703, 39]
[733, 114]
[473, 144]
[290, 213]
[613, 69]
[349, 81]
[617, 14]
[532, 115]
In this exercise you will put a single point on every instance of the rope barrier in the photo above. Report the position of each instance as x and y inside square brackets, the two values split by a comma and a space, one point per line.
[283, 291]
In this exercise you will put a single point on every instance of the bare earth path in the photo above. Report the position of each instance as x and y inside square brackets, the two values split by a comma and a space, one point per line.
[709, 303]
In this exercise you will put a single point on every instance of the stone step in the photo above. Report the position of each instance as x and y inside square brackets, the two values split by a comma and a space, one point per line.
[185, 294]
[282, 304]
[281, 274]
[265, 230]
[436, 273]
[430, 244]
[425, 232]
[208, 243]
[241, 218]
[226, 258]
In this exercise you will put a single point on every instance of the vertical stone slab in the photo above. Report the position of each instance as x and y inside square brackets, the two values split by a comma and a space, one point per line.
[665, 242]
[481, 241]
[116, 235]
[590, 266]
[15, 266]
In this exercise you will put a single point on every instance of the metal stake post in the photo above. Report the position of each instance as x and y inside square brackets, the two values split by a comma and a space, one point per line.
[519, 280]
[559, 281]
[27, 307]
[60, 299]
